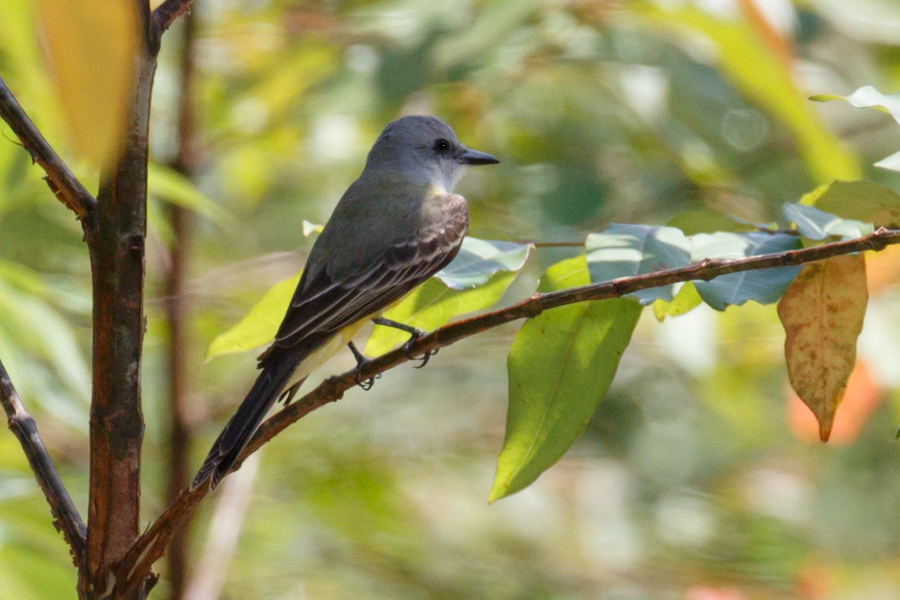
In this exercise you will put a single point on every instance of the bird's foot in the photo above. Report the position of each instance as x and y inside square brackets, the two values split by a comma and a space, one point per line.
[414, 334]
[361, 360]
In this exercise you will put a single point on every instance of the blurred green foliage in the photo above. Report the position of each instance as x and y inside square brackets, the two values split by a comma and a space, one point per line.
[694, 476]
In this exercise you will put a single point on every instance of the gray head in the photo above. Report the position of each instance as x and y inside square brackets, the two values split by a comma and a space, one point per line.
[422, 146]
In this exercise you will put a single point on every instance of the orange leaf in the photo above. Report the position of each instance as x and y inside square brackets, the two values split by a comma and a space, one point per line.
[822, 313]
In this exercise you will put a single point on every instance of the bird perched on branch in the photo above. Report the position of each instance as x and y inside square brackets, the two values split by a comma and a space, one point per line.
[394, 227]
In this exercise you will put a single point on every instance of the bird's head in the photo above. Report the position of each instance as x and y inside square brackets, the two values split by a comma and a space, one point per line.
[424, 147]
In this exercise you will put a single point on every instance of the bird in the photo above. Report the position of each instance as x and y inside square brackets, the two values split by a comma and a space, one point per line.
[397, 225]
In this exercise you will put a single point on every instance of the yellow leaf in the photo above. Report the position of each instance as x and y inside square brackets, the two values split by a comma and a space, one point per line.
[822, 314]
[686, 300]
[90, 49]
[258, 326]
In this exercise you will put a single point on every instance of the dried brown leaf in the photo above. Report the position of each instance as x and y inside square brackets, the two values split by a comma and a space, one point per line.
[822, 314]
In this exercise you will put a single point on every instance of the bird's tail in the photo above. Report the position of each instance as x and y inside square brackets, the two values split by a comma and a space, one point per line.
[249, 415]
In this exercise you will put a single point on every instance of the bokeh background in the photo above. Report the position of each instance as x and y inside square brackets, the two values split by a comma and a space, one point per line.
[698, 478]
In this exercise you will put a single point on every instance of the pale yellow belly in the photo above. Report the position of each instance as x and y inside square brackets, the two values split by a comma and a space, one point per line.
[320, 355]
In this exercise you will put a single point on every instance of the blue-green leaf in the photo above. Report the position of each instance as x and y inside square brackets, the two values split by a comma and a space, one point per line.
[764, 286]
[815, 224]
[628, 250]
[479, 259]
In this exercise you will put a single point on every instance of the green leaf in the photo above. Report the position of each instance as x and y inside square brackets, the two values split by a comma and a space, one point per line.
[686, 300]
[432, 305]
[478, 260]
[764, 286]
[860, 200]
[171, 186]
[709, 221]
[560, 366]
[628, 250]
[815, 224]
[258, 326]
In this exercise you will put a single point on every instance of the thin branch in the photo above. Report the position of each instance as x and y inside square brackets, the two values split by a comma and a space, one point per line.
[63, 183]
[166, 13]
[152, 543]
[65, 516]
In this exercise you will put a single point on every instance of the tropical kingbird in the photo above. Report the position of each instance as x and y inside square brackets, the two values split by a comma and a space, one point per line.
[394, 227]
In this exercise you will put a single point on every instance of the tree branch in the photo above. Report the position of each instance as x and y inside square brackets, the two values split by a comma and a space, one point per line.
[63, 183]
[166, 13]
[116, 243]
[151, 545]
[65, 516]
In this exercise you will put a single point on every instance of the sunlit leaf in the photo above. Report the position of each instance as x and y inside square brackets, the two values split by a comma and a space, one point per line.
[867, 97]
[686, 300]
[816, 224]
[311, 228]
[822, 313]
[860, 200]
[478, 260]
[433, 305]
[91, 50]
[764, 286]
[258, 326]
[628, 250]
[560, 366]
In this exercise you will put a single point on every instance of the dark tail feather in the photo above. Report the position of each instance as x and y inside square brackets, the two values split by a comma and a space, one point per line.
[249, 415]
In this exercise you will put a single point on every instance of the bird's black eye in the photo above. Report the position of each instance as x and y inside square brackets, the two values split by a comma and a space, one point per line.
[441, 146]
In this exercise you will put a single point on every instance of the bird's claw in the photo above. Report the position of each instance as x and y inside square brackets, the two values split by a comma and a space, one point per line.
[423, 357]
[365, 384]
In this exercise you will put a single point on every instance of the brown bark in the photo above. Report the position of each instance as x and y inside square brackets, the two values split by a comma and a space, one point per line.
[116, 244]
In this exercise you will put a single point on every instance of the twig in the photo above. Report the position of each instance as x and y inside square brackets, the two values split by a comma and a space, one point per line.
[65, 515]
[151, 545]
[63, 183]
[166, 13]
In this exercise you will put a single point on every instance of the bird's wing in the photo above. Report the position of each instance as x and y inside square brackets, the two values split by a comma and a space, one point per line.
[324, 306]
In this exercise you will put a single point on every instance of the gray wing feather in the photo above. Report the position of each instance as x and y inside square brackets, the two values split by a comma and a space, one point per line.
[322, 306]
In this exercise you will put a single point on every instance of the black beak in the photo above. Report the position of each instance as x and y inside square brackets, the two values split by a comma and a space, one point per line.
[474, 157]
